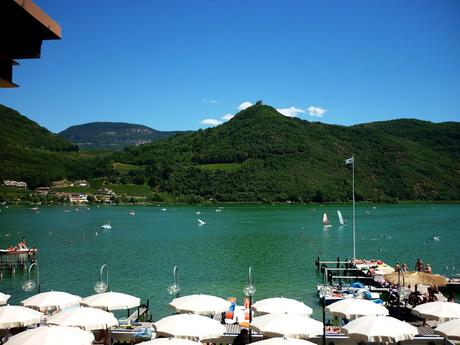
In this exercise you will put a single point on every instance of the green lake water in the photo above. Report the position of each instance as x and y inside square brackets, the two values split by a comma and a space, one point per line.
[280, 242]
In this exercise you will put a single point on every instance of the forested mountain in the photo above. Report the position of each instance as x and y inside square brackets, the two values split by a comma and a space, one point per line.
[33, 154]
[261, 155]
[112, 135]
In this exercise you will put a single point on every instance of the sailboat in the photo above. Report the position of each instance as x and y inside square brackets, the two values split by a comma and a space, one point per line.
[341, 220]
[326, 221]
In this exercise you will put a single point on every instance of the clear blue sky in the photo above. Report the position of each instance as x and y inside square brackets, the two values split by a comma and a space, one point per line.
[171, 64]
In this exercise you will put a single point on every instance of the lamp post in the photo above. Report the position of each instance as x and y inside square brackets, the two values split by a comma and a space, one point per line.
[174, 288]
[249, 291]
[29, 284]
[100, 286]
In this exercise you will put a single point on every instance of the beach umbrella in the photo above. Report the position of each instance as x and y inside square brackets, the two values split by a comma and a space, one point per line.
[170, 341]
[379, 329]
[189, 326]
[289, 325]
[111, 301]
[449, 329]
[281, 305]
[52, 335]
[15, 316]
[200, 304]
[352, 308]
[89, 319]
[415, 278]
[283, 341]
[440, 311]
[51, 300]
[4, 298]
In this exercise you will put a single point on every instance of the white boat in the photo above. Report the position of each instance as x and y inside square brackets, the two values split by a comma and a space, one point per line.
[132, 213]
[326, 221]
[106, 226]
[341, 220]
[436, 238]
[201, 222]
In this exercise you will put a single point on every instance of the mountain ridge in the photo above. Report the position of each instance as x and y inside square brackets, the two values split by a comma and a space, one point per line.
[113, 135]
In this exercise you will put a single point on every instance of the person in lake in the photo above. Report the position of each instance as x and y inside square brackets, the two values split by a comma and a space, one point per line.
[242, 338]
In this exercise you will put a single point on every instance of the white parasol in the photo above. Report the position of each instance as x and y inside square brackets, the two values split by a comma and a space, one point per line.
[4, 298]
[440, 311]
[381, 329]
[15, 316]
[449, 329]
[89, 319]
[283, 341]
[352, 308]
[189, 326]
[170, 341]
[52, 335]
[281, 305]
[289, 325]
[51, 300]
[200, 304]
[112, 301]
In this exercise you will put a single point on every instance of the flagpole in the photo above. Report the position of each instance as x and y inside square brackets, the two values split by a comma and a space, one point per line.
[354, 236]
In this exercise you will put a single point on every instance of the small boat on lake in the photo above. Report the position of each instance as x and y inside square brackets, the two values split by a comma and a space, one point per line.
[326, 221]
[132, 213]
[106, 226]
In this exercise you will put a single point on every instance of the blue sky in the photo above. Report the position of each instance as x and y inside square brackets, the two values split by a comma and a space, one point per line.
[172, 64]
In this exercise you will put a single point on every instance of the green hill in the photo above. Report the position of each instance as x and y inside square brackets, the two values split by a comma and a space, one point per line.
[31, 153]
[261, 155]
[112, 135]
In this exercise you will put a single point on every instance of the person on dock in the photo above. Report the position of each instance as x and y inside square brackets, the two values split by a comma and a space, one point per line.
[242, 338]
[404, 268]
[430, 296]
[397, 267]
[419, 265]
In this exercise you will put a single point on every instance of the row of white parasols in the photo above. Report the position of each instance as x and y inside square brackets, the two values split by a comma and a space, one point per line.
[286, 319]
[71, 322]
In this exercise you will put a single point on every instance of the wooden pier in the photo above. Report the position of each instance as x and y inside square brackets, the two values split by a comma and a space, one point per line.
[13, 260]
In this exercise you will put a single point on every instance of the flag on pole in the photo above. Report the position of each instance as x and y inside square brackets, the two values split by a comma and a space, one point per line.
[349, 161]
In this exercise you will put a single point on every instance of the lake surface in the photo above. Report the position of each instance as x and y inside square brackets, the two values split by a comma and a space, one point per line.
[280, 242]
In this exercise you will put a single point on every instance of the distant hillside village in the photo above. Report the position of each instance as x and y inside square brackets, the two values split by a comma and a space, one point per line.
[61, 191]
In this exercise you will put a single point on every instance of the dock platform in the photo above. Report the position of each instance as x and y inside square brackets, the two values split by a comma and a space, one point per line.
[13, 260]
